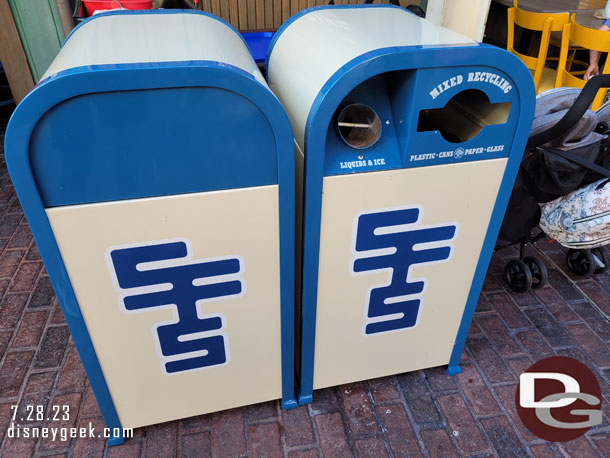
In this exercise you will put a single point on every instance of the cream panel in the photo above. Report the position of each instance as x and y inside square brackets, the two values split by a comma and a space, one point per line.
[447, 194]
[141, 38]
[242, 222]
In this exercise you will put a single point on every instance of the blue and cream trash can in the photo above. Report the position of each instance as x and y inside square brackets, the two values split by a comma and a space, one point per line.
[409, 137]
[156, 170]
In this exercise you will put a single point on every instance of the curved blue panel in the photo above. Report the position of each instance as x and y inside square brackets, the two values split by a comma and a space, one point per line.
[123, 145]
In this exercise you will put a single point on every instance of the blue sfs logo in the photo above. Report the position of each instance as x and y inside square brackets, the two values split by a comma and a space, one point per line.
[163, 275]
[393, 240]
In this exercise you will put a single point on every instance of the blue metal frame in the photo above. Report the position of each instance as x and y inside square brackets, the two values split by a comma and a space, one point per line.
[330, 96]
[91, 80]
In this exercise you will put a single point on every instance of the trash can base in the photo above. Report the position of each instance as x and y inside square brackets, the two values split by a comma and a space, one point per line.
[116, 440]
[290, 403]
[305, 399]
[454, 370]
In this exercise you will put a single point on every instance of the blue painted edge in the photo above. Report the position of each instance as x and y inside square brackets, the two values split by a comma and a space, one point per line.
[453, 370]
[155, 11]
[86, 80]
[302, 13]
[332, 93]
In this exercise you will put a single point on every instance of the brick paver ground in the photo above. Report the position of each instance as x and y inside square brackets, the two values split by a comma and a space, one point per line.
[423, 413]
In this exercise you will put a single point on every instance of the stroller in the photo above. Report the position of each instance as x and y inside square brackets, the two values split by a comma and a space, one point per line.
[562, 189]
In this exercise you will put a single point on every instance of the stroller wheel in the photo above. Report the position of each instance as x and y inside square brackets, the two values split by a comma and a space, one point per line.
[539, 273]
[581, 262]
[518, 276]
[600, 258]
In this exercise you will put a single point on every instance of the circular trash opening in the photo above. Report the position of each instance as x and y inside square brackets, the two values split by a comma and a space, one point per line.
[358, 126]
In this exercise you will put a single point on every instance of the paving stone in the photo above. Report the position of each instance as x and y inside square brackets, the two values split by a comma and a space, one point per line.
[564, 288]
[490, 362]
[26, 276]
[596, 321]
[325, 401]
[535, 344]
[503, 437]
[498, 335]
[602, 442]
[160, 440]
[70, 402]
[11, 307]
[474, 329]
[331, 433]
[89, 407]
[297, 427]
[9, 260]
[261, 411]
[310, 453]
[196, 445]
[526, 299]
[580, 448]
[372, 447]
[33, 254]
[545, 451]
[507, 397]
[195, 423]
[27, 413]
[383, 389]
[9, 223]
[438, 444]
[475, 390]
[439, 380]
[265, 440]
[603, 280]
[127, 450]
[491, 283]
[30, 330]
[556, 305]
[6, 415]
[86, 447]
[58, 316]
[550, 328]
[580, 356]
[19, 447]
[7, 192]
[52, 347]
[597, 350]
[12, 372]
[41, 382]
[358, 410]
[508, 310]
[462, 425]
[22, 237]
[520, 365]
[597, 294]
[398, 429]
[483, 304]
[72, 376]
[43, 293]
[419, 400]
[228, 434]
[5, 337]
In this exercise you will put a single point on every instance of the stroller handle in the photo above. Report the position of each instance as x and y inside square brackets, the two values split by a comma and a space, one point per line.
[580, 106]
